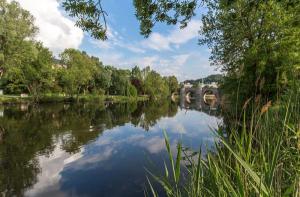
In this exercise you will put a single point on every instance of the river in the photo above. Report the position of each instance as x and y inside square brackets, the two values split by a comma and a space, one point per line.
[93, 149]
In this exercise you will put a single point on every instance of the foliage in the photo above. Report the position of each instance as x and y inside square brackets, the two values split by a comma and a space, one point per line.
[148, 12]
[78, 75]
[28, 67]
[38, 74]
[137, 79]
[255, 43]
[90, 16]
[16, 47]
[261, 159]
[154, 85]
[172, 83]
[218, 78]
[103, 78]
[120, 82]
[16, 29]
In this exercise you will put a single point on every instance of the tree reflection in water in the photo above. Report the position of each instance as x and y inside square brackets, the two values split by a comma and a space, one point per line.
[29, 131]
[34, 138]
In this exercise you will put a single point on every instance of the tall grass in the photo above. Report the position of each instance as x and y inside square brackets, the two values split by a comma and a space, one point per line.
[259, 158]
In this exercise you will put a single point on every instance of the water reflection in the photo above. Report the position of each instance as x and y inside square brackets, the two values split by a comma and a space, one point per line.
[91, 150]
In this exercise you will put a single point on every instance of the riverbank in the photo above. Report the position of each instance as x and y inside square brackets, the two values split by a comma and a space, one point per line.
[257, 154]
[13, 99]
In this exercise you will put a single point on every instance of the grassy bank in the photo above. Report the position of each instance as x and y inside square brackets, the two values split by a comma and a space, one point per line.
[259, 157]
[13, 99]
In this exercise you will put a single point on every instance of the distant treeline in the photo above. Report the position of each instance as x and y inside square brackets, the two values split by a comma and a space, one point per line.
[209, 79]
[26, 66]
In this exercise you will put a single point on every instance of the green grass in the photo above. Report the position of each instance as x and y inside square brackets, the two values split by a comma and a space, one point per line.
[260, 158]
[57, 98]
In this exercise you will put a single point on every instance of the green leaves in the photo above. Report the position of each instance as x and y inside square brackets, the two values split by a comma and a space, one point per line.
[261, 158]
[167, 11]
[90, 16]
[259, 183]
[254, 43]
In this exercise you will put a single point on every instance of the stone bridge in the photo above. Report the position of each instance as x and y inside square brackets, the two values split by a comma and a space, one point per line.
[205, 94]
[199, 92]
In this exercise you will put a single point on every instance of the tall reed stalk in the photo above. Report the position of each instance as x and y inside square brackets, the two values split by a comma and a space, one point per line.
[261, 158]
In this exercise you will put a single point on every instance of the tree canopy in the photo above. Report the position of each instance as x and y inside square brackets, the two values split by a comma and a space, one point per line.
[255, 43]
[29, 67]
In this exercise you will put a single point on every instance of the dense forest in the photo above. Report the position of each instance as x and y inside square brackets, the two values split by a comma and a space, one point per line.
[28, 67]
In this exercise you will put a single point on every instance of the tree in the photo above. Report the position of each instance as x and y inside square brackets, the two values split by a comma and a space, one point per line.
[38, 74]
[137, 79]
[27, 66]
[120, 82]
[34, 73]
[155, 86]
[16, 33]
[91, 17]
[173, 84]
[78, 76]
[255, 43]
[171, 12]
[103, 79]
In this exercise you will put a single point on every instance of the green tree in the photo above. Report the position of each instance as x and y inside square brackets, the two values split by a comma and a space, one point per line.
[120, 82]
[33, 74]
[91, 17]
[78, 76]
[103, 79]
[16, 34]
[256, 44]
[173, 84]
[38, 74]
[137, 79]
[155, 86]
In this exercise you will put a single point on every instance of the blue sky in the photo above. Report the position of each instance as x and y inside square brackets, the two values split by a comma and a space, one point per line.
[169, 50]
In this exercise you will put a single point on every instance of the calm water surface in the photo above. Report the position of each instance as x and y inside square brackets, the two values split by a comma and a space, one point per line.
[92, 149]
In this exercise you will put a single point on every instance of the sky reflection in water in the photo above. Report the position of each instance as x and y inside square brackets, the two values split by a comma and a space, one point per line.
[90, 150]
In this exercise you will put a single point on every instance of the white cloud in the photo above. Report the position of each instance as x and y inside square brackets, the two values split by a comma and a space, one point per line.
[116, 40]
[51, 168]
[55, 30]
[153, 145]
[189, 65]
[181, 59]
[175, 37]
[157, 42]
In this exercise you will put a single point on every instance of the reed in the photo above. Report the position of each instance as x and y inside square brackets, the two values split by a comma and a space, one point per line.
[259, 158]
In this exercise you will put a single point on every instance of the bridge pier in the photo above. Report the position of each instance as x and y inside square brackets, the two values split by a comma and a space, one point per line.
[198, 94]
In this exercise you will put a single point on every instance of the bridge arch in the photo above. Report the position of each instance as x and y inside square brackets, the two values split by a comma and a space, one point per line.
[207, 95]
